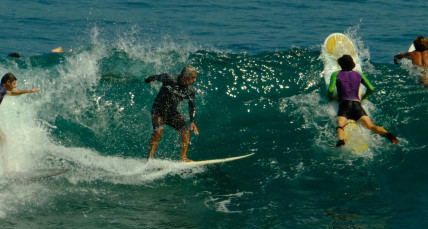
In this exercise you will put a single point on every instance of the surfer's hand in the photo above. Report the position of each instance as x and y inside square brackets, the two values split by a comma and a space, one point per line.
[34, 90]
[193, 127]
[148, 80]
[395, 60]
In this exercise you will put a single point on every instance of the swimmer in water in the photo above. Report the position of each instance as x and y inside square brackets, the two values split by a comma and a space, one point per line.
[419, 58]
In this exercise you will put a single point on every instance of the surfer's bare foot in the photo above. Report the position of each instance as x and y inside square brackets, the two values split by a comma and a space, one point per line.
[391, 137]
[185, 160]
[340, 143]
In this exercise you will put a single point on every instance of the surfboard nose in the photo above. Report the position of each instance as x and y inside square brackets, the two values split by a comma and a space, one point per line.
[339, 41]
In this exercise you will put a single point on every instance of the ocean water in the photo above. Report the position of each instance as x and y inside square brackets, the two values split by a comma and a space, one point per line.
[259, 90]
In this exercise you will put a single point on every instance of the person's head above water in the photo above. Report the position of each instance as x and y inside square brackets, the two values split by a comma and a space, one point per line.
[9, 81]
[346, 63]
[188, 75]
[420, 43]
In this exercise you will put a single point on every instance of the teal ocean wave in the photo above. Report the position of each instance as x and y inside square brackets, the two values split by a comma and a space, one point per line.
[92, 115]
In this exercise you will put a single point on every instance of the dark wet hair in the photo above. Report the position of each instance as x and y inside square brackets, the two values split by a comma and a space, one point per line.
[8, 77]
[14, 54]
[419, 46]
[346, 63]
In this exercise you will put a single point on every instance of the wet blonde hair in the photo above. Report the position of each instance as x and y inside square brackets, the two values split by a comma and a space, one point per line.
[187, 70]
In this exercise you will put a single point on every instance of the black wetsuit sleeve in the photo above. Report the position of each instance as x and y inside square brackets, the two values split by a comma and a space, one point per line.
[161, 78]
[192, 108]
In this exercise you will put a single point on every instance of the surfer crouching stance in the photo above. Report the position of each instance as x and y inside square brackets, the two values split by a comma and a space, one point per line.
[164, 110]
[348, 85]
[8, 83]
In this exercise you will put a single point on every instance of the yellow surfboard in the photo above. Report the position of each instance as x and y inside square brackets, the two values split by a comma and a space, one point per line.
[335, 46]
[338, 44]
[356, 137]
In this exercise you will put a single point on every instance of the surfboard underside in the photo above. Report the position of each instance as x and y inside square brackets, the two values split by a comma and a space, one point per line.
[35, 174]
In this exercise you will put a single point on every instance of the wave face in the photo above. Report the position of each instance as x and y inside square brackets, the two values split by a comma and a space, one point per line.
[92, 115]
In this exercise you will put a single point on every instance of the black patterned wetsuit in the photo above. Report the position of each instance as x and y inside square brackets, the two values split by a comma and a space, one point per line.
[164, 109]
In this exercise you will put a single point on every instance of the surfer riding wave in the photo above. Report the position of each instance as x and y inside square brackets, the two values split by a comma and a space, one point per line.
[164, 111]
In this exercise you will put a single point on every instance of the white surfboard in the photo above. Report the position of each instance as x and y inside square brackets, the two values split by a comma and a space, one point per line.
[411, 48]
[34, 175]
[335, 46]
[216, 161]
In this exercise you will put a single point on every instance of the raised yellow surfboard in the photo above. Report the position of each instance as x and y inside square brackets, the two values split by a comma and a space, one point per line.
[338, 44]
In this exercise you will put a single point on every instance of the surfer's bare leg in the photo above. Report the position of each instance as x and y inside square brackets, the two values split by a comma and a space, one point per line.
[185, 136]
[377, 129]
[341, 123]
[369, 125]
[154, 142]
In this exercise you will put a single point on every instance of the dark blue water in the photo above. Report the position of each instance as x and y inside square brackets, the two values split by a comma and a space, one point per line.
[259, 90]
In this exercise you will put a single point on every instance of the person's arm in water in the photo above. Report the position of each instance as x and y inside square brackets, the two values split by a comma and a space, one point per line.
[332, 86]
[398, 57]
[368, 85]
[21, 92]
[401, 56]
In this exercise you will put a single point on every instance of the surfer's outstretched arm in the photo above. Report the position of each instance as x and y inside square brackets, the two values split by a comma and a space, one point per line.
[399, 57]
[21, 92]
[161, 77]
